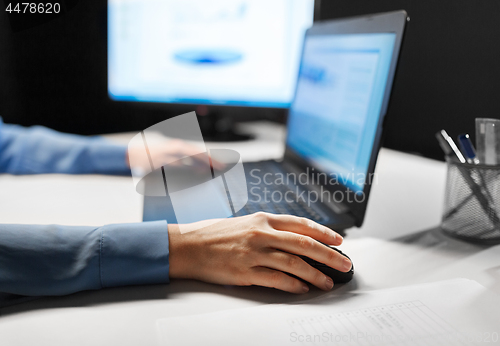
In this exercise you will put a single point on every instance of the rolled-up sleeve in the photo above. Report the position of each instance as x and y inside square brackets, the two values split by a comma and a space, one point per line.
[53, 260]
[37, 149]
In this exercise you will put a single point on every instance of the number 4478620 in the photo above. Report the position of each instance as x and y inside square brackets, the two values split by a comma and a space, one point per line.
[32, 7]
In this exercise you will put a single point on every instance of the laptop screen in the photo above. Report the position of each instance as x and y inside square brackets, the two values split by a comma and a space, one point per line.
[333, 119]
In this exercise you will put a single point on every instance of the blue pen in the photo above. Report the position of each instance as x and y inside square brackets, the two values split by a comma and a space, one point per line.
[469, 152]
[467, 148]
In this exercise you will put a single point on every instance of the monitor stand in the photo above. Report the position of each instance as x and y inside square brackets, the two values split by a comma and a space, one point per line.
[217, 127]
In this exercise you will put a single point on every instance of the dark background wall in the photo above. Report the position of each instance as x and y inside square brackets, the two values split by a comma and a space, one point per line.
[55, 73]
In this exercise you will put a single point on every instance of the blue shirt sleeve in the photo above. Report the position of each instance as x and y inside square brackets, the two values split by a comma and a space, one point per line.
[38, 149]
[54, 260]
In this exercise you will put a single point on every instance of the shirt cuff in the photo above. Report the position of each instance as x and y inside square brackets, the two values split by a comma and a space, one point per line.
[136, 254]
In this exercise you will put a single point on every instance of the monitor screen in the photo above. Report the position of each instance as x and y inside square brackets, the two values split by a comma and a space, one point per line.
[333, 119]
[223, 52]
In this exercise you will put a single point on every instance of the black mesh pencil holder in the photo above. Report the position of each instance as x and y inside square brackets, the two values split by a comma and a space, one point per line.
[472, 203]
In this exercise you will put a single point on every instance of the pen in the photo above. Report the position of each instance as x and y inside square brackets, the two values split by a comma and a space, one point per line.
[449, 147]
[467, 148]
[451, 151]
[470, 154]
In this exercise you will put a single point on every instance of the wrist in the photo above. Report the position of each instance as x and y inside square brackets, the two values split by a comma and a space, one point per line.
[185, 249]
[177, 250]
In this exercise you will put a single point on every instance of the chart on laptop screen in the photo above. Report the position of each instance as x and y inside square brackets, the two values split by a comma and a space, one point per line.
[334, 117]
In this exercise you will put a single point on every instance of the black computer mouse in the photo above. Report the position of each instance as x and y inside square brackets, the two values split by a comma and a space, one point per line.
[337, 276]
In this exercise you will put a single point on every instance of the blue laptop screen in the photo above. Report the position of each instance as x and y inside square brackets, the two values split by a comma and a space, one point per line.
[333, 119]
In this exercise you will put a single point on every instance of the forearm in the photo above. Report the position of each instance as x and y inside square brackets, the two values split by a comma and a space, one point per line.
[41, 150]
[57, 260]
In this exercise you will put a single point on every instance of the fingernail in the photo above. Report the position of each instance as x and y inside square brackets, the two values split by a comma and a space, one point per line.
[338, 237]
[305, 288]
[346, 264]
[328, 283]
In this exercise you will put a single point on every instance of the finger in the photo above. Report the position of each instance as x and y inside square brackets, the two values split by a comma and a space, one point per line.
[195, 160]
[180, 149]
[276, 279]
[192, 152]
[201, 158]
[307, 246]
[295, 265]
[305, 226]
[217, 165]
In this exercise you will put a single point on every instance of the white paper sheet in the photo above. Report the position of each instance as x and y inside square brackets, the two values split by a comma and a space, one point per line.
[483, 267]
[454, 312]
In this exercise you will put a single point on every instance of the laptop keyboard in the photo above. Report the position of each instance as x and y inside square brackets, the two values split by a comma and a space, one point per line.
[298, 207]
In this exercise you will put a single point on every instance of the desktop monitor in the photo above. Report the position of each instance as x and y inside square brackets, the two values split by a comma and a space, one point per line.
[218, 52]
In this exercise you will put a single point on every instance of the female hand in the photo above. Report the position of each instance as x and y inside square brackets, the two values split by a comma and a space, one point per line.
[255, 249]
[167, 152]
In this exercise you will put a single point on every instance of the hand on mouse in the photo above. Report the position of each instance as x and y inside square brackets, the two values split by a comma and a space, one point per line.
[255, 250]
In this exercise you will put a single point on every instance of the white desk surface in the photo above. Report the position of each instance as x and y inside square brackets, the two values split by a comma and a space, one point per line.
[399, 244]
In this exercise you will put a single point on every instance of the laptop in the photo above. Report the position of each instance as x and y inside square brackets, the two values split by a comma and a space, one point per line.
[334, 126]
